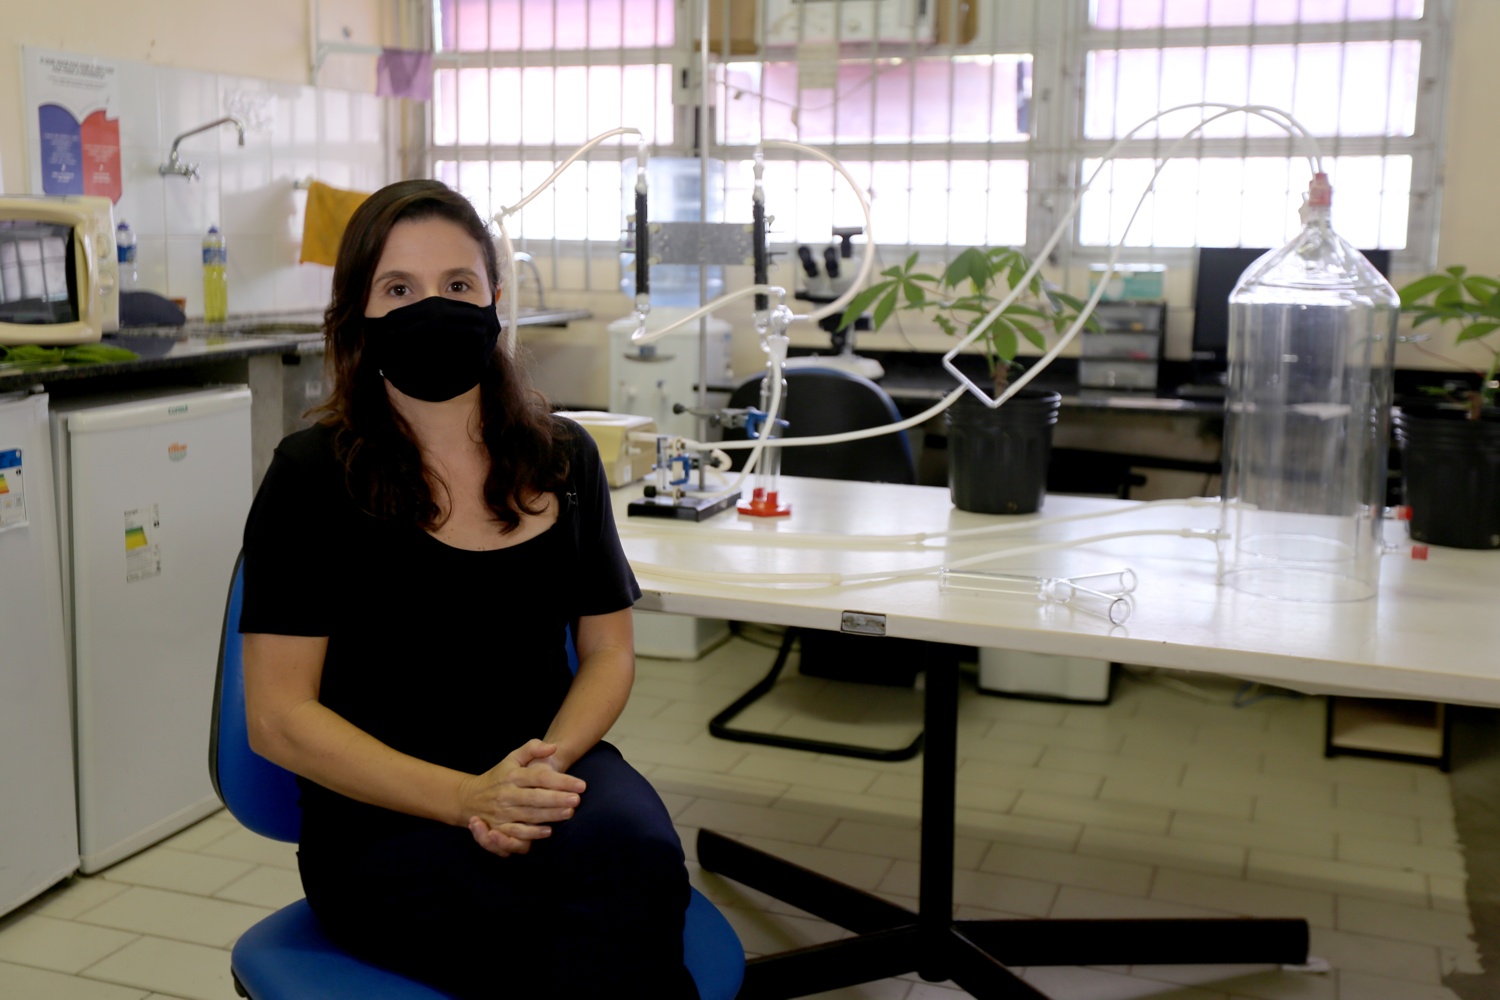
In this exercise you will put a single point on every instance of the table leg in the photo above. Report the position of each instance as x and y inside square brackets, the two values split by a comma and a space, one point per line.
[973, 953]
[939, 763]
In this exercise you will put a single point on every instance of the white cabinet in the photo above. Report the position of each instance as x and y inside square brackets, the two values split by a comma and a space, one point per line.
[38, 825]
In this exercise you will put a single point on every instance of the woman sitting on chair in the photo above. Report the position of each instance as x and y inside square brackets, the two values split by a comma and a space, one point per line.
[412, 563]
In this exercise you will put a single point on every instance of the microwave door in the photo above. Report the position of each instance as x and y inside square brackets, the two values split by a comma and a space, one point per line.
[38, 276]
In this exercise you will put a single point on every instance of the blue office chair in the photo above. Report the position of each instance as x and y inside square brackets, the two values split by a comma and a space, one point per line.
[287, 956]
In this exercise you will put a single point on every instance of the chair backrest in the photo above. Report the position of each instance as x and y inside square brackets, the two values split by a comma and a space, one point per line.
[263, 796]
[828, 401]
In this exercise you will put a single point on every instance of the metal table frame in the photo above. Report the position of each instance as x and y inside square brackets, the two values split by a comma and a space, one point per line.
[892, 940]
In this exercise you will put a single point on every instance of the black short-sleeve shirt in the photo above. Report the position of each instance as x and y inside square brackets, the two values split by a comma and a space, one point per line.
[450, 655]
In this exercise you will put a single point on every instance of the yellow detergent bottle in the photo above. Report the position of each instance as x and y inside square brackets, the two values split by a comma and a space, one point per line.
[215, 284]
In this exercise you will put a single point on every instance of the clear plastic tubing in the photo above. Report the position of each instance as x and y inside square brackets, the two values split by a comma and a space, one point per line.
[1312, 342]
[1049, 590]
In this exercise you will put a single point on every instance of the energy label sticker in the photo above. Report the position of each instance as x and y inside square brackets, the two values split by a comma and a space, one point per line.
[12, 490]
[142, 543]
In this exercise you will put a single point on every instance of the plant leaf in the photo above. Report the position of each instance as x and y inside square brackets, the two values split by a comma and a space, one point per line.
[1477, 288]
[1458, 271]
[1451, 294]
[981, 271]
[946, 324]
[1032, 334]
[1476, 330]
[963, 267]
[914, 293]
[885, 307]
[1072, 303]
[1026, 311]
[1421, 288]
[1004, 341]
[862, 301]
[911, 262]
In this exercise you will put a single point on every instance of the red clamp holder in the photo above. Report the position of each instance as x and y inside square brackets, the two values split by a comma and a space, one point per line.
[764, 504]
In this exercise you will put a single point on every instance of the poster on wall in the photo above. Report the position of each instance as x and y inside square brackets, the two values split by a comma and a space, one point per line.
[73, 123]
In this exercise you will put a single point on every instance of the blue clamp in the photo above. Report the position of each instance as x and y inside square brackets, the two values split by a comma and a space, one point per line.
[755, 418]
[687, 469]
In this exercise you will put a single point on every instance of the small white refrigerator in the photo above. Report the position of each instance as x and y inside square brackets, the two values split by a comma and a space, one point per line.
[153, 491]
[38, 826]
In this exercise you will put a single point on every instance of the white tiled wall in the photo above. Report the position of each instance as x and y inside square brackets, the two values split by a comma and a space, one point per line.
[338, 137]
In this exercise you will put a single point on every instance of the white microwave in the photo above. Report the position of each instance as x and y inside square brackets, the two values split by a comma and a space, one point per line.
[59, 279]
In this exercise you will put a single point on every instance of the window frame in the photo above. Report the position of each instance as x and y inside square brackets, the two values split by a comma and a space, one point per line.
[1425, 145]
[1058, 37]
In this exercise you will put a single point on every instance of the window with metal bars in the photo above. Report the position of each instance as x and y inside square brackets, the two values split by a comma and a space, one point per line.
[978, 142]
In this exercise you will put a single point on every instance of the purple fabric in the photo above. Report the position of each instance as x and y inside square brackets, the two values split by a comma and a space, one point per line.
[404, 73]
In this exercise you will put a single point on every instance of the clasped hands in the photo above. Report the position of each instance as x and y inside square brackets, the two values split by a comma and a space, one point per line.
[510, 804]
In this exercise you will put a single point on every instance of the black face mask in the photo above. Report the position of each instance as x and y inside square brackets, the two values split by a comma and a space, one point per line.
[434, 349]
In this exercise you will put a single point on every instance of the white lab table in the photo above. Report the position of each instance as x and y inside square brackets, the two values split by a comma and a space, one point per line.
[1430, 634]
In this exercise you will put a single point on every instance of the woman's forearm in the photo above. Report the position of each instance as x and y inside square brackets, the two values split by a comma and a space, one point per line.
[594, 702]
[317, 743]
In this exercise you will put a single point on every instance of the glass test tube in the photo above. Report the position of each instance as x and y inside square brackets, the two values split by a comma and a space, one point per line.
[1116, 607]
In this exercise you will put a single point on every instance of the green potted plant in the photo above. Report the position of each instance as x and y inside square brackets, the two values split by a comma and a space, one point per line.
[997, 458]
[1450, 445]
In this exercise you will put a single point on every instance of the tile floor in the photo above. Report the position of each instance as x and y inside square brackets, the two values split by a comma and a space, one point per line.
[1168, 802]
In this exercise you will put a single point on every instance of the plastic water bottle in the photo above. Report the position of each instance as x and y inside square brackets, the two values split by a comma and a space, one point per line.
[215, 284]
[1312, 347]
[125, 255]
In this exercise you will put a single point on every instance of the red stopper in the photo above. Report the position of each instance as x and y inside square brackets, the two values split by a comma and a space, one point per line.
[763, 503]
[1320, 192]
[1419, 552]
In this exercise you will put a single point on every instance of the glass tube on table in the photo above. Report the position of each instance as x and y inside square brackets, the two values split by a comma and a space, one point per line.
[1115, 607]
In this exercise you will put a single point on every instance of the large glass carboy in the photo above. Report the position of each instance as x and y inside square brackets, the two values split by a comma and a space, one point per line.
[1312, 340]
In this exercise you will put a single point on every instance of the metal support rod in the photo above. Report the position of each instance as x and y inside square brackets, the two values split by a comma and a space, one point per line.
[762, 268]
[703, 459]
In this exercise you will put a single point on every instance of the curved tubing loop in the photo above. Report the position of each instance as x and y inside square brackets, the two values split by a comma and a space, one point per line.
[846, 579]
[867, 261]
[798, 539]
[867, 264]
[513, 303]
[1261, 111]
[966, 385]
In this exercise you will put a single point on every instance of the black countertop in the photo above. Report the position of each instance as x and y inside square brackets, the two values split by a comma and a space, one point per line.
[155, 351]
[161, 347]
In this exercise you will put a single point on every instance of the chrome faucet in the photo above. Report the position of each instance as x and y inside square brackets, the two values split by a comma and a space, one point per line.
[190, 170]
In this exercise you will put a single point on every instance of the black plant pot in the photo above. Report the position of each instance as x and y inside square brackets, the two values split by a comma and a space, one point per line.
[1450, 467]
[997, 459]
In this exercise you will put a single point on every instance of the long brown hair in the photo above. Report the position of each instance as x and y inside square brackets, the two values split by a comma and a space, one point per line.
[382, 463]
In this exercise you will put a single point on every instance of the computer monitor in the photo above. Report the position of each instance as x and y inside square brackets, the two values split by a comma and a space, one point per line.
[1219, 270]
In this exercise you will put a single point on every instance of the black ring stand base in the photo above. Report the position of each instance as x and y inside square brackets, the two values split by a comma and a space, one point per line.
[892, 940]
